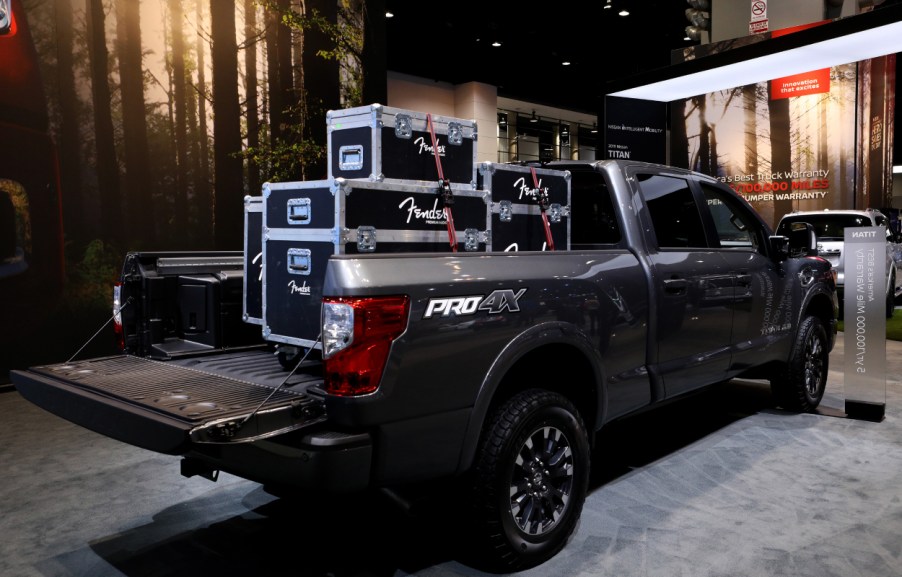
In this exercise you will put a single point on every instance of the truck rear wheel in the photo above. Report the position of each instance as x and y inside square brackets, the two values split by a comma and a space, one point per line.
[800, 385]
[531, 478]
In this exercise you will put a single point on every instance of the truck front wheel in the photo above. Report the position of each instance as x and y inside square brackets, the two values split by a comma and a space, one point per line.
[531, 478]
[800, 385]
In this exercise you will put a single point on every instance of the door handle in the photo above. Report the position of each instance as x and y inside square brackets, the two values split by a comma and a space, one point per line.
[676, 285]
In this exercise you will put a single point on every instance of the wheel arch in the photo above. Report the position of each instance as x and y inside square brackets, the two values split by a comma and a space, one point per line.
[824, 307]
[541, 353]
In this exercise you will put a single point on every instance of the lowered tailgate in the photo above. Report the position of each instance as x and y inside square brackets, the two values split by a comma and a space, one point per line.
[165, 406]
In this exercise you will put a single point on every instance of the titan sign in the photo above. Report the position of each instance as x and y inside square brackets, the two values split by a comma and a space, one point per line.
[864, 310]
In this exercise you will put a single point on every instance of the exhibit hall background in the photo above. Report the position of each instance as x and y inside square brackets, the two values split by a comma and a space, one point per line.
[812, 141]
[164, 115]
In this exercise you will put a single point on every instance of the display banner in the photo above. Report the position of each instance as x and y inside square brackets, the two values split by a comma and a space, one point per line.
[814, 82]
[864, 316]
[635, 129]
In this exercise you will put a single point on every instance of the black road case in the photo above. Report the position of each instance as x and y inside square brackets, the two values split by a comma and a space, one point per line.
[515, 210]
[380, 142]
[306, 222]
[253, 260]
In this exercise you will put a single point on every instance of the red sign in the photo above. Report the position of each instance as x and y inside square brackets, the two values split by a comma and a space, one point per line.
[814, 82]
[758, 27]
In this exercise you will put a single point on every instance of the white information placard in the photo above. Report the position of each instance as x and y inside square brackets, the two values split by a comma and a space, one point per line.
[864, 318]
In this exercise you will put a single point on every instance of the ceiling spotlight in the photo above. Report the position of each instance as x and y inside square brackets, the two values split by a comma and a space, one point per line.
[389, 14]
[533, 119]
[496, 44]
[607, 5]
[624, 12]
[565, 63]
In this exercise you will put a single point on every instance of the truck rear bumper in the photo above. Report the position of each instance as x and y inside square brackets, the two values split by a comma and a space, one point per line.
[327, 461]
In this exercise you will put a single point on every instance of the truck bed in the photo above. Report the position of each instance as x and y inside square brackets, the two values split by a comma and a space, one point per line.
[227, 397]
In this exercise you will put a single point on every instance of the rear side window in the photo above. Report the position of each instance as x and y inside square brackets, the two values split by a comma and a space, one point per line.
[593, 222]
[674, 214]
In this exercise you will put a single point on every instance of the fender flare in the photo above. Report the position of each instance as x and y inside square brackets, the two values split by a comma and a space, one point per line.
[521, 345]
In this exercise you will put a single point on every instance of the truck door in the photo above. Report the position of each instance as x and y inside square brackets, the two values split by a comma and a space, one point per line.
[692, 285]
[760, 309]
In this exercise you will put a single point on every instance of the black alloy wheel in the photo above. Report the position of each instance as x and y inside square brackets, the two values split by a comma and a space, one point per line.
[531, 479]
[801, 384]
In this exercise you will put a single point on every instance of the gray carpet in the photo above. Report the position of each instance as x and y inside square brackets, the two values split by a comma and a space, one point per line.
[716, 485]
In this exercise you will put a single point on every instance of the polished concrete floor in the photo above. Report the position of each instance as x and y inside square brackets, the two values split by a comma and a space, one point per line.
[717, 485]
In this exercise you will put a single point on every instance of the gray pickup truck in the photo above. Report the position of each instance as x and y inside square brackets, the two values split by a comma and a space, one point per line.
[489, 369]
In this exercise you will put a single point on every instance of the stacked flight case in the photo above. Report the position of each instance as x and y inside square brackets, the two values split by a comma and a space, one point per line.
[379, 142]
[383, 194]
[253, 260]
[304, 223]
[518, 195]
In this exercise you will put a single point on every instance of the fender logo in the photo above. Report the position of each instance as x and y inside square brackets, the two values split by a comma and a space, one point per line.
[428, 149]
[293, 288]
[413, 211]
[525, 190]
[498, 301]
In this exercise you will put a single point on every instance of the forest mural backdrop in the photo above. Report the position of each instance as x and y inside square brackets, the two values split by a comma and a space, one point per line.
[166, 113]
[811, 141]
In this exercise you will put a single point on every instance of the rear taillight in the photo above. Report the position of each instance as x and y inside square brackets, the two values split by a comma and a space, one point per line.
[357, 335]
[117, 316]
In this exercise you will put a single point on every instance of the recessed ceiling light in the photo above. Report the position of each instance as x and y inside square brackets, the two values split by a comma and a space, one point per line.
[607, 5]
[496, 44]
[624, 12]
[565, 63]
[389, 14]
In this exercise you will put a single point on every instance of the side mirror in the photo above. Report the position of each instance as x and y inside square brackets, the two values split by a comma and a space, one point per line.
[779, 247]
[802, 240]
[6, 17]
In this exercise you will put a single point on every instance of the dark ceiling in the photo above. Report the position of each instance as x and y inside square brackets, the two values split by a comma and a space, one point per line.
[454, 44]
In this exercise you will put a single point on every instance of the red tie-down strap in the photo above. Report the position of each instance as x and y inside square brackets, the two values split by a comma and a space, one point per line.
[542, 199]
[444, 187]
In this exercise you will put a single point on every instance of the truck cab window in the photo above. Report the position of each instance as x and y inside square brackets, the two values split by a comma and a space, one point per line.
[592, 217]
[674, 214]
[736, 229]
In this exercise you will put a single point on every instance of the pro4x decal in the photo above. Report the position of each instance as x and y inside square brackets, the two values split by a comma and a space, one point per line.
[496, 302]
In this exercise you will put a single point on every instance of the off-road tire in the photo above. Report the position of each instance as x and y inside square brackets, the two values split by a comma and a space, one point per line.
[530, 481]
[801, 383]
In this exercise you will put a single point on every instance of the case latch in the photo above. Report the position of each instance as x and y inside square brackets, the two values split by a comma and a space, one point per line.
[350, 157]
[298, 211]
[299, 261]
[403, 126]
[505, 211]
[455, 133]
[366, 239]
[471, 239]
